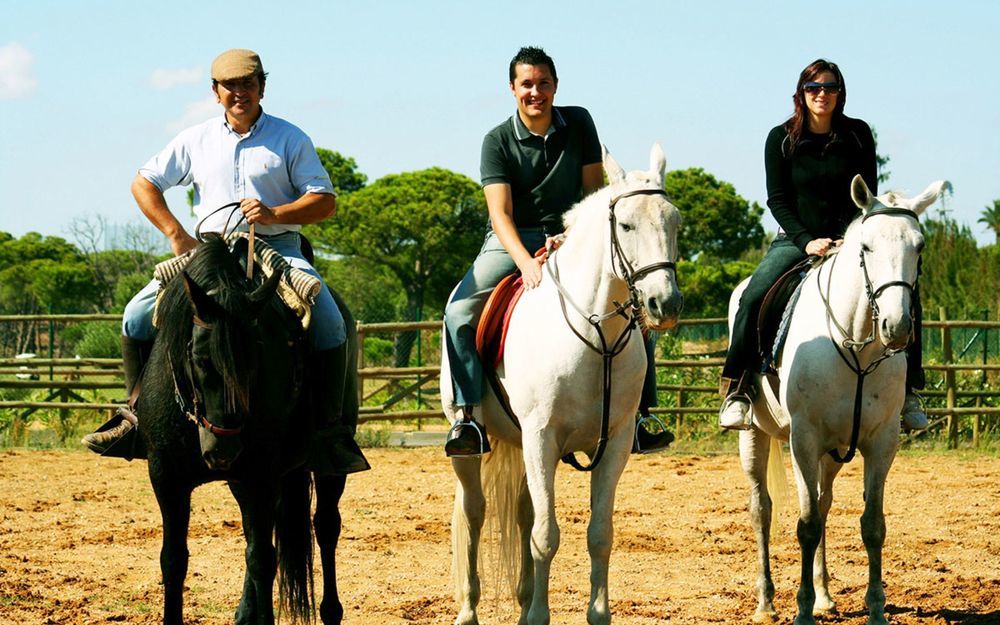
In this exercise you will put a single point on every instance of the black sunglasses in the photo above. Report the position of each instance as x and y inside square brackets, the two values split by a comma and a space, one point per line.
[816, 87]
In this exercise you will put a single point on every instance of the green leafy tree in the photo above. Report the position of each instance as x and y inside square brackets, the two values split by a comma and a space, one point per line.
[343, 171]
[991, 218]
[423, 227]
[881, 161]
[715, 219]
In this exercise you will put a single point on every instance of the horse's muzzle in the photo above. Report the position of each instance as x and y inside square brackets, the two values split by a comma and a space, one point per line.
[219, 453]
[663, 313]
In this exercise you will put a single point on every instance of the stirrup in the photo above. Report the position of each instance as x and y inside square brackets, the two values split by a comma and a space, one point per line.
[466, 438]
[660, 439]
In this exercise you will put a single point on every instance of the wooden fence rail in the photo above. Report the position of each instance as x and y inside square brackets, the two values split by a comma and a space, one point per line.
[411, 393]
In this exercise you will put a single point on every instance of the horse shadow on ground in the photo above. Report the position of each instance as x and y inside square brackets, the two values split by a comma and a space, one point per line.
[952, 617]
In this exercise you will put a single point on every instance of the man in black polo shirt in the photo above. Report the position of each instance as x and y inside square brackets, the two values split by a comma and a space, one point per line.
[534, 167]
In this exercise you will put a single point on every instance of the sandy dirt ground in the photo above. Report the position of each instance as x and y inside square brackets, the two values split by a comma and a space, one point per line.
[80, 537]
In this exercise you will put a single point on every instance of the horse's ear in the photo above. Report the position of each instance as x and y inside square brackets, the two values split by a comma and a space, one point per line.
[261, 296]
[203, 304]
[930, 195]
[860, 193]
[611, 167]
[657, 162]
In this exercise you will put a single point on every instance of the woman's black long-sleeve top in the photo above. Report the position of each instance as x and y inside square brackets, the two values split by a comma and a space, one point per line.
[809, 189]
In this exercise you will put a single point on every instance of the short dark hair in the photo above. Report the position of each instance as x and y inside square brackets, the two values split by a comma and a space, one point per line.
[530, 55]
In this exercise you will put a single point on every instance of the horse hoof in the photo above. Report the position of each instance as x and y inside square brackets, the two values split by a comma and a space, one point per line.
[765, 616]
[824, 605]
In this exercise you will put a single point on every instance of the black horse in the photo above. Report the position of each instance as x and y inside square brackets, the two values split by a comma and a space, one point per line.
[223, 398]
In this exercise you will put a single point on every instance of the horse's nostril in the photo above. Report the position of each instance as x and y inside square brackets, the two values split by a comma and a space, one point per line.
[653, 306]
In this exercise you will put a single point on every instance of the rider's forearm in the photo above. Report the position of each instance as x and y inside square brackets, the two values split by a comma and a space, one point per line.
[154, 206]
[308, 209]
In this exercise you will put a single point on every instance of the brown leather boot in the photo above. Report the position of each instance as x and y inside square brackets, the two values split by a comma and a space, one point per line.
[135, 354]
[332, 450]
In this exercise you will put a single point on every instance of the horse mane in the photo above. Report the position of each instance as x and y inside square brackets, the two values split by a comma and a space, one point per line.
[215, 269]
[573, 215]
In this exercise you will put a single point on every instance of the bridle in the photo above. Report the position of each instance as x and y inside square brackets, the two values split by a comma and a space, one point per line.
[196, 413]
[629, 310]
[852, 346]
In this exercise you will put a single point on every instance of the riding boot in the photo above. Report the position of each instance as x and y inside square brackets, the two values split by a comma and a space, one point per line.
[646, 441]
[735, 411]
[467, 438]
[913, 413]
[135, 354]
[332, 448]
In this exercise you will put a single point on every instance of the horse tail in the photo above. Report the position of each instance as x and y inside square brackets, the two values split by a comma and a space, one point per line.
[503, 476]
[293, 539]
[777, 483]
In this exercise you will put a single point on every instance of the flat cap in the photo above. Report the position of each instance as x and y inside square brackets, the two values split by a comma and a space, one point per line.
[236, 63]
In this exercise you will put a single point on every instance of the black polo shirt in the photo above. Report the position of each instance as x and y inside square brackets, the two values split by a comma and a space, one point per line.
[544, 173]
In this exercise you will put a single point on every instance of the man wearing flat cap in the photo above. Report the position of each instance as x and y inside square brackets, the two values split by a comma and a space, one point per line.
[270, 168]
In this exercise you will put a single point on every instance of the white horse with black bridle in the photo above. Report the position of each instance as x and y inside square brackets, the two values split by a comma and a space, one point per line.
[840, 388]
[573, 371]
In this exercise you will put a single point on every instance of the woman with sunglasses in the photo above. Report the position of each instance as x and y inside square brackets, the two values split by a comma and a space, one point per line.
[809, 161]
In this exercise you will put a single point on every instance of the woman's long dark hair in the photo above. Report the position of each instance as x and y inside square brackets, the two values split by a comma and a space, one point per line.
[797, 122]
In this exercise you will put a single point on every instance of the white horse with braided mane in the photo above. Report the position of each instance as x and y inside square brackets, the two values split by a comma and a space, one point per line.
[840, 387]
[616, 264]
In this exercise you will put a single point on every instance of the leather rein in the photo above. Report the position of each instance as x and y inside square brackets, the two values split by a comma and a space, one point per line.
[629, 310]
[850, 345]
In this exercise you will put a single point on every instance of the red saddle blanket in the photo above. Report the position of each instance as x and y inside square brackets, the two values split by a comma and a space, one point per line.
[491, 333]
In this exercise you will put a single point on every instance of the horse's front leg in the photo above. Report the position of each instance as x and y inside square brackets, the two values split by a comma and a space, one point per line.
[466, 527]
[257, 504]
[829, 468]
[754, 454]
[175, 510]
[877, 463]
[327, 523]
[810, 525]
[600, 532]
[541, 457]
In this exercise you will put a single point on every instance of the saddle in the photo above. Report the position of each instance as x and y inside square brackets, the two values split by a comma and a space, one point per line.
[775, 314]
[491, 333]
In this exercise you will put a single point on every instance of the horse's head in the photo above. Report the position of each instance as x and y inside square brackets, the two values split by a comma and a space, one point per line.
[891, 242]
[643, 239]
[221, 360]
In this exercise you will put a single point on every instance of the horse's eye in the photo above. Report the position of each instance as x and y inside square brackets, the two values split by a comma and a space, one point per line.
[865, 248]
[626, 227]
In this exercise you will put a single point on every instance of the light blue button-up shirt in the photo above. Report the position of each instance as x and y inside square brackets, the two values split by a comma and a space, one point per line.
[275, 163]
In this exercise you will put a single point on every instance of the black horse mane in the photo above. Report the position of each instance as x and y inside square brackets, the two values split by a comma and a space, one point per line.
[215, 269]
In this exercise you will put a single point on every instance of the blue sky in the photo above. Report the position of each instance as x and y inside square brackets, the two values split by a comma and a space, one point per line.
[89, 91]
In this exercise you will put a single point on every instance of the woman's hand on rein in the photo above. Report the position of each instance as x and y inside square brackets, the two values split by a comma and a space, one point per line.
[531, 272]
[819, 247]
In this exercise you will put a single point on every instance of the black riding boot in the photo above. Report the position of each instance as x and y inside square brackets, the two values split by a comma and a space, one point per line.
[467, 437]
[135, 353]
[332, 450]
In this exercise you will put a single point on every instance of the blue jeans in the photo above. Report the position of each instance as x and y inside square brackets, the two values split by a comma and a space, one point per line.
[326, 330]
[461, 315]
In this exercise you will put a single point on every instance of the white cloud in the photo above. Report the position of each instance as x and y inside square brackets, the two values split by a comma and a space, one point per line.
[168, 78]
[16, 78]
[195, 113]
